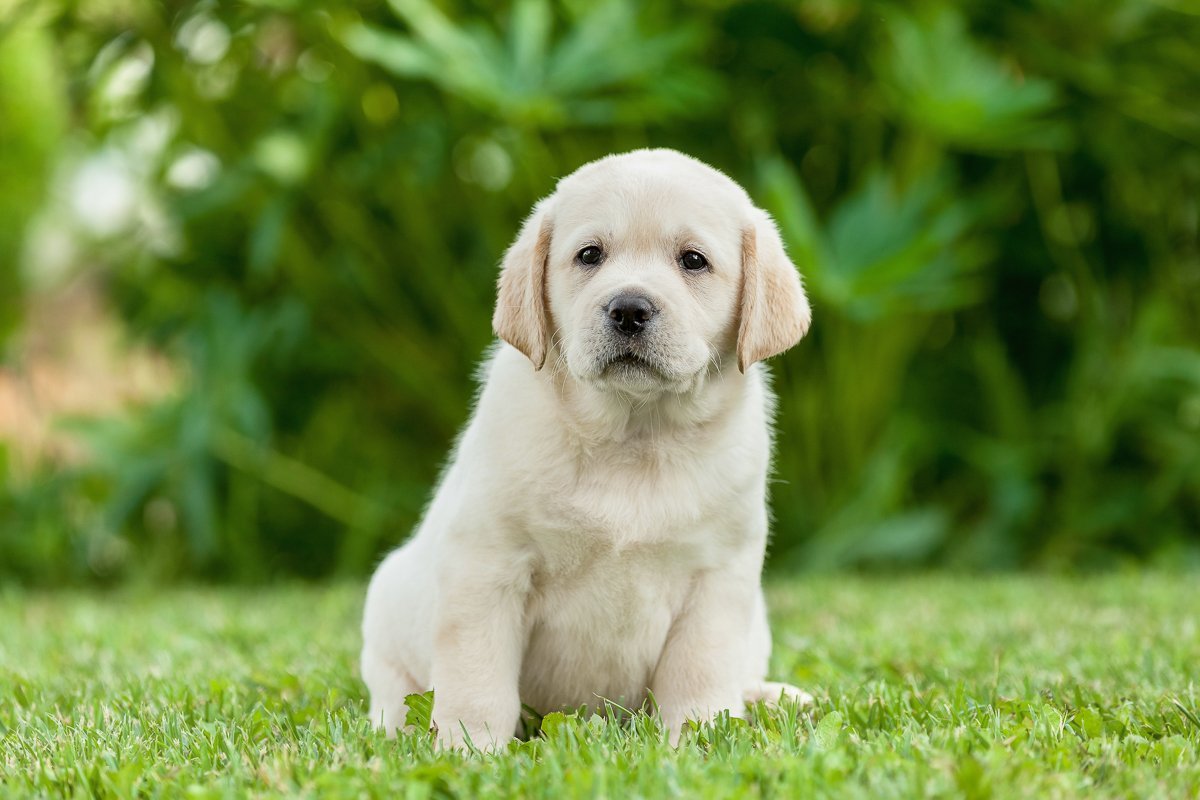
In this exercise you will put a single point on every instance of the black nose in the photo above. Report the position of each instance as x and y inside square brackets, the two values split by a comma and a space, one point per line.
[630, 313]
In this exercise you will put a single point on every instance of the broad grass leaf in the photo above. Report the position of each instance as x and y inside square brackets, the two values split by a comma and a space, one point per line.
[420, 711]
[553, 724]
[828, 731]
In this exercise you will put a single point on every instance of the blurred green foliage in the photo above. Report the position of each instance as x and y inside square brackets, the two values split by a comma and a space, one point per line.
[996, 207]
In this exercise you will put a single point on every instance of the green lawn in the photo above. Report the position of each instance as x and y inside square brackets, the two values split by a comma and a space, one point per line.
[925, 686]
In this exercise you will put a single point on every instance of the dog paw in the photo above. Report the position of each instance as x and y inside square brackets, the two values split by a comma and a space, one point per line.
[463, 739]
[776, 694]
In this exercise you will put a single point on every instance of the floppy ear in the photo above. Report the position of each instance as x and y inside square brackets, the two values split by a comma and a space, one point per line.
[775, 310]
[521, 318]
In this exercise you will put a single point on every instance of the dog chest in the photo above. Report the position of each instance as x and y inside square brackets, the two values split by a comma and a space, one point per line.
[689, 510]
[596, 631]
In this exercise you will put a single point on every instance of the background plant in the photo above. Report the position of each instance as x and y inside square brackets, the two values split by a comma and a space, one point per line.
[995, 208]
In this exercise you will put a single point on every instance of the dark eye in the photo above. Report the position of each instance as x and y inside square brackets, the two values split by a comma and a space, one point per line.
[590, 256]
[693, 261]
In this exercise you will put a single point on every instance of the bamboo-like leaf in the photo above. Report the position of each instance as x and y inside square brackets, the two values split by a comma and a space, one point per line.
[529, 36]
[395, 53]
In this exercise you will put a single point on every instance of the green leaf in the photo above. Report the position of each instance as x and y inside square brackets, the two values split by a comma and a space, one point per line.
[553, 724]
[529, 33]
[1089, 722]
[940, 80]
[828, 731]
[266, 238]
[420, 711]
[784, 195]
[395, 53]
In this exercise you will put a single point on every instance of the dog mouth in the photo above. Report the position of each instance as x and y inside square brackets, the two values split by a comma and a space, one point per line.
[628, 362]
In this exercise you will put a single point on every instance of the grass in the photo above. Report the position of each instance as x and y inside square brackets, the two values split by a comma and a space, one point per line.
[1021, 686]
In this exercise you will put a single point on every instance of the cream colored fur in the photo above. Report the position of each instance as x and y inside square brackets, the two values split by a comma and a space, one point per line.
[600, 529]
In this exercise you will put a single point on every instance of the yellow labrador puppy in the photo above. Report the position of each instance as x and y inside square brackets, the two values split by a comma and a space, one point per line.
[599, 532]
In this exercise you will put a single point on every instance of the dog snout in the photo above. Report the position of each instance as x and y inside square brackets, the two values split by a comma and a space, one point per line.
[629, 313]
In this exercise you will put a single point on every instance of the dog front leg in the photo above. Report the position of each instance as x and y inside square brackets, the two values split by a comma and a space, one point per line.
[478, 646]
[701, 668]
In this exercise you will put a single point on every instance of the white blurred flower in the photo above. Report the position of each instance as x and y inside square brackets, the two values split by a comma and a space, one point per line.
[130, 74]
[203, 39]
[193, 169]
[103, 195]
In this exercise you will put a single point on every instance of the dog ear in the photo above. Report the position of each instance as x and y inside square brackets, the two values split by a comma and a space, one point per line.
[521, 318]
[775, 313]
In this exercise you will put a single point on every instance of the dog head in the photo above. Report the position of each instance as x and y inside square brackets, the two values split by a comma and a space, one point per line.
[645, 270]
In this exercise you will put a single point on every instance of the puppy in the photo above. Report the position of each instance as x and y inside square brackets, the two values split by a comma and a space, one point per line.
[599, 532]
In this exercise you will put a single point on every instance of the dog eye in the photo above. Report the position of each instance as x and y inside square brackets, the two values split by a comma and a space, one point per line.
[693, 261]
[590, 256]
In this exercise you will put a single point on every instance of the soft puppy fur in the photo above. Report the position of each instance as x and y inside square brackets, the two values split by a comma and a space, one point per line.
[600, 529]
